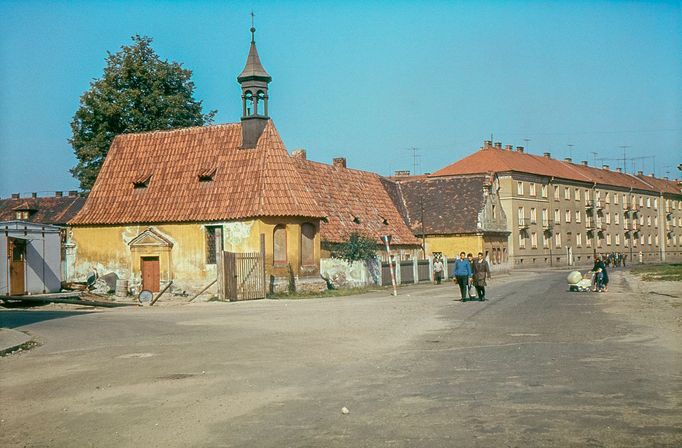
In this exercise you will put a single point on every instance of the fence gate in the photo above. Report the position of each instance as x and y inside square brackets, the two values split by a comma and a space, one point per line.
[241, 276]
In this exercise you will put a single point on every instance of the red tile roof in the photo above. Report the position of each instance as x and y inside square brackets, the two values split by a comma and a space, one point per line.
[664, 185]
[45, 210]
[247, 183]
[494, 160]
[353, 201]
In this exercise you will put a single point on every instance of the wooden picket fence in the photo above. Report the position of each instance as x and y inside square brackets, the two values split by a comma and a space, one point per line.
[241, 276]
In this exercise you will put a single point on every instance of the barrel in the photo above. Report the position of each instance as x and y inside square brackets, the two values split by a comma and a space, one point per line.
[121, 287]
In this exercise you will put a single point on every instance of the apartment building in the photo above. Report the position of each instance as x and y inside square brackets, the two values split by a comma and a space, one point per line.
[565, 213]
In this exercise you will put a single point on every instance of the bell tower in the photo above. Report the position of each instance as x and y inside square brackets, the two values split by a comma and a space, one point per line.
[254, 82]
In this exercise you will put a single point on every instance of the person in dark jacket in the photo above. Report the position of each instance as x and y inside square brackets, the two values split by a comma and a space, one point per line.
[470, 290]
[481, 273]
[462, 274]
[599, 263]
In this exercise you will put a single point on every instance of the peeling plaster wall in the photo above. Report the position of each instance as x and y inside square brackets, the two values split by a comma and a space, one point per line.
[342, 274]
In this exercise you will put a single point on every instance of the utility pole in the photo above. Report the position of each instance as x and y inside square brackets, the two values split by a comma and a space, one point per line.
[594, 157]
[570, 150]
[526, 140]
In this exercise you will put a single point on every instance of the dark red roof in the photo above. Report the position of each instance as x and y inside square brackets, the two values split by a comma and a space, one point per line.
[44, 210]
[443, 205]
[353, 201]
[246, 183]
[495, 160]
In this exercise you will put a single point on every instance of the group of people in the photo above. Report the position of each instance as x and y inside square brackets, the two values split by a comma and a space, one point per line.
[469, 273]
[615, 259]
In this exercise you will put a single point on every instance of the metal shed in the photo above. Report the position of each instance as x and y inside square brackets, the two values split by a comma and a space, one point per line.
[30, 258]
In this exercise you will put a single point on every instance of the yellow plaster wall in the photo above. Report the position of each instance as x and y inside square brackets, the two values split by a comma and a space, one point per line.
[452, 245]
[106, 249]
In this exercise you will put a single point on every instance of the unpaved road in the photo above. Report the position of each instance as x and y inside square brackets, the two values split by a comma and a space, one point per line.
[533, 366]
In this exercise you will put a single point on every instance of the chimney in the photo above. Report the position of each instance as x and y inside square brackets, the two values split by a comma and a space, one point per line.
[15, 195]
[584, 162]
[299, 154]
[605, 167]
[339, 162]
[508, 147]
[487, 143]
[548, 155]
[619, 170]
[73, 193]
[568, 159]
[519, 149]
[665, 178]
[34, 195]
[640, 173]
[651, 174]
[58, 194]
[498, 145]
[401, 173]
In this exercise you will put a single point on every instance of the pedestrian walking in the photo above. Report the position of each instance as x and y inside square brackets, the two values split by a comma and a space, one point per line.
[462, 275]
[481, 273]
[471, 290]
[438, 270]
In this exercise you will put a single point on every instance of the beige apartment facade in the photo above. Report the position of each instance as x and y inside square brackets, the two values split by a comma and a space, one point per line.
[562, 213]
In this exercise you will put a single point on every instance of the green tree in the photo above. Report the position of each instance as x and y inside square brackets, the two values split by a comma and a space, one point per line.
[138, 92]
[356, 248]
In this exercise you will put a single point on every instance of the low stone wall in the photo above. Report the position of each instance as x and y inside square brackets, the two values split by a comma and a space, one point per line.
[342, 274]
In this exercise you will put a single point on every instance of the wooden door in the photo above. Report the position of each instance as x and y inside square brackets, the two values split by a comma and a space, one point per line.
[17, 265]
[151, 275]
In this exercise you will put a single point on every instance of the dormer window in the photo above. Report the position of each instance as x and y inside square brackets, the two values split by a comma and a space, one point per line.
[207, 175]
[22, 214]
[356, 220]
[385, 221]
[142, 181]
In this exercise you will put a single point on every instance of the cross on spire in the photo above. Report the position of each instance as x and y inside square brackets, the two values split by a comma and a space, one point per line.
[253, 28]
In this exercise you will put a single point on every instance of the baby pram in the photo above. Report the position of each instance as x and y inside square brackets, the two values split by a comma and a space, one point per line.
[578, 282]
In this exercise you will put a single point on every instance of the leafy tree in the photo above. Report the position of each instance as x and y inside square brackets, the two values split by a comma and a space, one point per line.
[356, 248]
[138, 92]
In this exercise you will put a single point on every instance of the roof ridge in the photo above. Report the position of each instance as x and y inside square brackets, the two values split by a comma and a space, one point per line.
[178, 130]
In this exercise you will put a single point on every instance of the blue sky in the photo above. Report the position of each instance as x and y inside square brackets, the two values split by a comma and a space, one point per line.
[366, 80]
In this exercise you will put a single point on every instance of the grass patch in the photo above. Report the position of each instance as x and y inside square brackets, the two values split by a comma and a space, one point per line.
[659, 272]
[327, 293]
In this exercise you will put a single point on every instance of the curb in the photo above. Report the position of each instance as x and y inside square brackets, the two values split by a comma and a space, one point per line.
[11, 340]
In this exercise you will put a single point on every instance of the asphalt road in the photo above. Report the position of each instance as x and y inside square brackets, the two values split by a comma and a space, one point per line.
[533, 366]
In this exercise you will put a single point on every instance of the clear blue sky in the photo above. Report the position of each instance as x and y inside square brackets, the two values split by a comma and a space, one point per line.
[365, 80]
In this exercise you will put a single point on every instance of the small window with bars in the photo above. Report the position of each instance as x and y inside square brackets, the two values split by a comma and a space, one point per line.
[214, 243]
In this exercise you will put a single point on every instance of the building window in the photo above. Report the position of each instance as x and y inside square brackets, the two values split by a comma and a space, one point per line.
[308, 244]
[625, 200]
[557, 215]
[615, 198]
[522, 240]
[279, 244]
[545, 241]
[655, 221]
[588, 241]
[608, 218]
[521, 216]
[579, 239]
[648, 202]
[648, 240]
[567, 215]
[557, 240]
[617, 239]
[214, 243]
[543, 191]
[607, 197]
[648, 220]
[531, 189]
[577, 194]
[578, 216]
[567, 193]
[22, 214]
[655, 202]
[641, 201]
[641, 240]
[519, 188]
[556, 193]
[545, 217]
[534, 240]
[608, 239]
[533, 216]
[616, 216]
